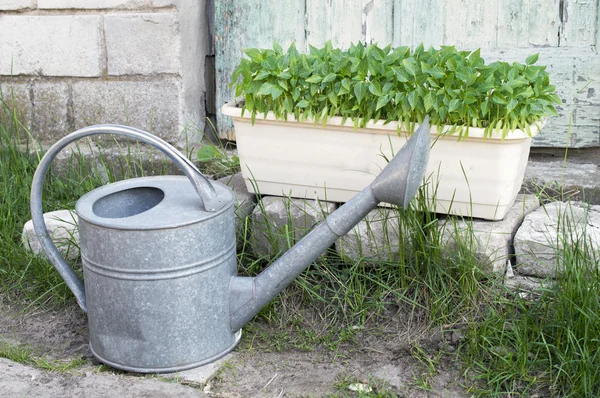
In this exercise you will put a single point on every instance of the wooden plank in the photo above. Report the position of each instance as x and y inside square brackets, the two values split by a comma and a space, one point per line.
[470, 24]
[542, 22]
[377, 22]
[418, 22]
[576, 74]
[578, 23]
[241, 24]
[512, 24]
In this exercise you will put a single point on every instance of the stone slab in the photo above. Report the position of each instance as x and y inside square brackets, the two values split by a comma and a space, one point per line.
[244, 200]
[375, 237]
[96, 4]
[142, 44]
[557, 180]
[550, 229]
[152, 105]
[200, 376]
[17, 380]
[63, 230]
[527, 283]
[39, 45]
[275, 219]
[492, 240]
[10, 5]
[51, 110]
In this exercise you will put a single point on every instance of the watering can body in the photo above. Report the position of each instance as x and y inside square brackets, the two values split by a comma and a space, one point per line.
[161, 288]
[157, 269]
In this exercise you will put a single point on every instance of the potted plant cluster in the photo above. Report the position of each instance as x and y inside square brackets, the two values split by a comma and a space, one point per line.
[323, 124]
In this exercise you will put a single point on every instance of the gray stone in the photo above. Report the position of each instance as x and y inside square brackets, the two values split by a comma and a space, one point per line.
[278, 222]
[7, 5]
[152, 106]
[40, 45]
[17, 96]
[550, 229]
[559, 181]
[50, 110]
[200, 376]
[527, 283]
[244, 200]
[97, 4]
[491, 240]
[18, 380]
[63, 230]
[375, 237]
[142, 44]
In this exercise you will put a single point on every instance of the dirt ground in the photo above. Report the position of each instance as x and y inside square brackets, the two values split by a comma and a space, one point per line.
[390, 360]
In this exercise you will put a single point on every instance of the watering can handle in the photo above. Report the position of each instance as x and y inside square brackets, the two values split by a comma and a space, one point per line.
[208, 196]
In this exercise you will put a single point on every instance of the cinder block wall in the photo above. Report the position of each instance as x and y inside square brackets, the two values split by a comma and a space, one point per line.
[66, 64]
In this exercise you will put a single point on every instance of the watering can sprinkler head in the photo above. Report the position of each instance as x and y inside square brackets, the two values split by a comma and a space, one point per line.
[161, 286]
[400, 180]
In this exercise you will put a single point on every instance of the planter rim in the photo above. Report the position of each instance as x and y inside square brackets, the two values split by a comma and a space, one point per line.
[231, 109]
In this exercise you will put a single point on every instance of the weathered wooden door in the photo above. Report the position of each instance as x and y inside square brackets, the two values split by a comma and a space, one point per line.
[566, 33]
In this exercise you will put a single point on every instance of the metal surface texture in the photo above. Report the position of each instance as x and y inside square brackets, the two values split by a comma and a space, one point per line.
[159, 261]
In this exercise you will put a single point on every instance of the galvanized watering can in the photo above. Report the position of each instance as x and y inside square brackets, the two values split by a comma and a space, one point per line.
[161, 287]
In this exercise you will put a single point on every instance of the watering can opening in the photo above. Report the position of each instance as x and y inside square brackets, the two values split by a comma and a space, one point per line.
[128, 202]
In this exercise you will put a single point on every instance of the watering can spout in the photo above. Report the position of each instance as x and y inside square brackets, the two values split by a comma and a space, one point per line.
[397, 184]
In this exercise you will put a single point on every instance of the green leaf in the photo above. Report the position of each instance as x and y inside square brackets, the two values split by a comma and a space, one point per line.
[288, 105]
[254, 54]
[276, 92]
[437, 72]
[383, 101]
[277, 47]
[412, 99]
[314, 79]
[332, 98]
[454, 104]
[532, 59]
[266, 88]
[428, 101]
[302, 104]
[208, 153]
[375, 88]
[511, 105]
[284, 75]
[410, 66]
[360, 90]
[262, 75]
[329, 78]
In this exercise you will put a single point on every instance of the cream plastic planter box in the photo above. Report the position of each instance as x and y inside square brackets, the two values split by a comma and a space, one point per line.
[472, 177]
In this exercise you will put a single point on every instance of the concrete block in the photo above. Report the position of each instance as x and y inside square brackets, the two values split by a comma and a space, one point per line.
[18, 98]
[63, 230]
[164, 3]
[9, 5]
[375, 237]
[142, 44]
[41, 45]
[559, 181]
[149, 105]
[244, 200]
[491, 240]
[50, 110]
[549, 230]
[279, 222]
[97, 4]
